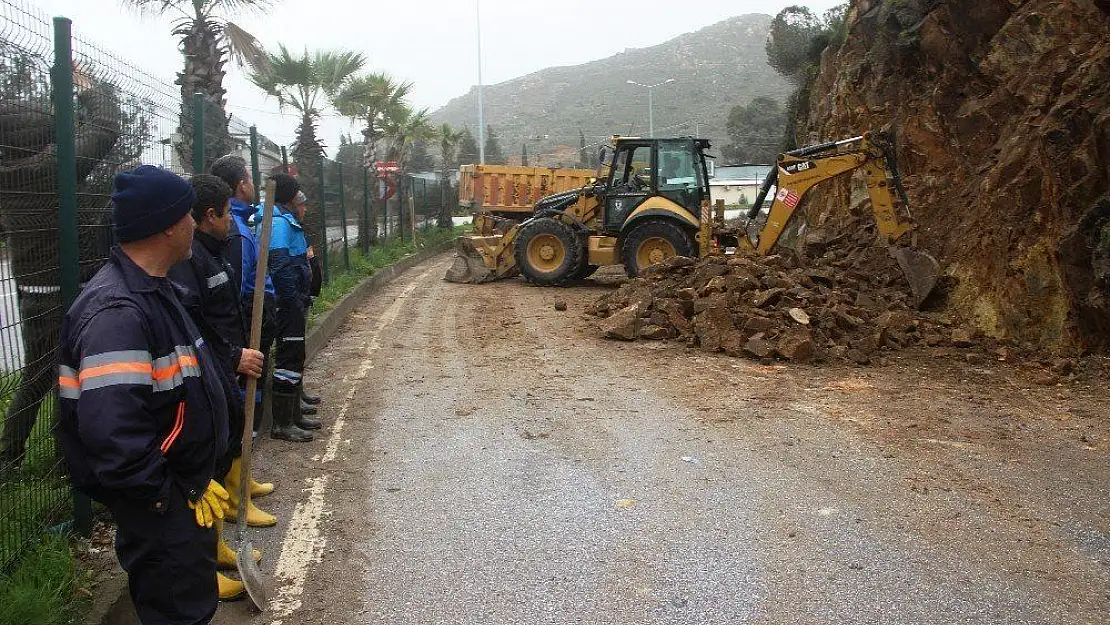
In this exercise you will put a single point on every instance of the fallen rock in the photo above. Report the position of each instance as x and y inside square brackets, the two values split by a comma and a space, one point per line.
[622, 325]
[961, 338]
[560, 305]
[713, 327]
[1046, 378]
[799, 315]
[654, 332]
[758, 347]
[797, 346]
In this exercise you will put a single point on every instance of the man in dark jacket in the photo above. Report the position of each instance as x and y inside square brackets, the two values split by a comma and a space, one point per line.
[143, 411]
[212, 300]
[291, 273]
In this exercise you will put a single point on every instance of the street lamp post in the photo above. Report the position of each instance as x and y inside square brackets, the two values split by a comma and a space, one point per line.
[481, 108]
[651, 104]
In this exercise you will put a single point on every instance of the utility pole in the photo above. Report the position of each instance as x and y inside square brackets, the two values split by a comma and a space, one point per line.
[481, 111]
[651, 104]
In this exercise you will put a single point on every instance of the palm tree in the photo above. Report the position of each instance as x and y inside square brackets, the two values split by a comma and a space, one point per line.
[307, 83]
[209, 39]
[370, 100]
[402, 126]
[448, 142]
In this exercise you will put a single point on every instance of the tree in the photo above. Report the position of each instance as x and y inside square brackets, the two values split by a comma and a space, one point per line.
[307, 83]
[370, 100]
[419, 157]
[209, 39]
[448, 144]
[403, 127]
[468, 148]
[754, 131]
[788, 45]
[494, 155]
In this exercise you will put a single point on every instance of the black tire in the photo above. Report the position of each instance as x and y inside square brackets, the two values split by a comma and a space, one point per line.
[653, 230]
[540, 237]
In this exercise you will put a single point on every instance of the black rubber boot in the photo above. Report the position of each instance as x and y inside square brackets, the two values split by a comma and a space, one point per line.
[309, 398]
[307, 408]
[286, 409]
[305, 422]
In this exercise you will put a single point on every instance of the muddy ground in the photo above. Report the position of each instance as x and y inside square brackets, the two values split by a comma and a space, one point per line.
[487, 459]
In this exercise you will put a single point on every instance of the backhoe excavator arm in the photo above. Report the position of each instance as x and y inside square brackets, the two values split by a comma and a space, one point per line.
[798, 171]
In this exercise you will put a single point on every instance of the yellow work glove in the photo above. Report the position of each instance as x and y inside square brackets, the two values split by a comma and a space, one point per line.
[212, 505]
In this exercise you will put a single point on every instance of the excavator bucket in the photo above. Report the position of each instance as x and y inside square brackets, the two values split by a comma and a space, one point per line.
[477, 260]
[921, 270]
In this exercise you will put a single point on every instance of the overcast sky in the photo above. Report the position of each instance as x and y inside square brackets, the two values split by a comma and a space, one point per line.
[432, 43]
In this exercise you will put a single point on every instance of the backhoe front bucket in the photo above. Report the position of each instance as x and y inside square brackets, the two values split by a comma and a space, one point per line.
[921, 270]
[477, 260]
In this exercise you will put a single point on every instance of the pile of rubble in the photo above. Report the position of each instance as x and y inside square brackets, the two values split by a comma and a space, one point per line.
[847, 302]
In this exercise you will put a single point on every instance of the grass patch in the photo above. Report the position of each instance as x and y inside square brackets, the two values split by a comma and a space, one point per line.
[362, 266]
[42, 587]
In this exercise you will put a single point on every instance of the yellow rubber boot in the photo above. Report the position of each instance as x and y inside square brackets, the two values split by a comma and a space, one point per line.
[260, 489]
[230, 589]
[255, 516]
[225, 557]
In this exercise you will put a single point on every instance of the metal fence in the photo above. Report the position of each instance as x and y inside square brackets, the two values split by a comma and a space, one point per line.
[72, 115]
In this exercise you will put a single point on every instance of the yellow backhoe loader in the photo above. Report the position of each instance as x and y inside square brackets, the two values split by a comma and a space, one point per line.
[654, 203]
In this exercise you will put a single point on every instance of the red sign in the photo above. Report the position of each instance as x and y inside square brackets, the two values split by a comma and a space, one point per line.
[386, 167]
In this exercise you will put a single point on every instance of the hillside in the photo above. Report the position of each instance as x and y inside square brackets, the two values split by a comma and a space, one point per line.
[714, 68]
[1002, 109]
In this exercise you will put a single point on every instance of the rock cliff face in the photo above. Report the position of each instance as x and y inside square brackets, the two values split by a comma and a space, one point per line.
[1001, 109]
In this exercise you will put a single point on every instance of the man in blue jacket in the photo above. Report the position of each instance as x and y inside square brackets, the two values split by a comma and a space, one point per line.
[291, 273]
[143, 414]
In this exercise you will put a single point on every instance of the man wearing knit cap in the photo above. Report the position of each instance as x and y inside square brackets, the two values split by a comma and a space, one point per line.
[143, 411]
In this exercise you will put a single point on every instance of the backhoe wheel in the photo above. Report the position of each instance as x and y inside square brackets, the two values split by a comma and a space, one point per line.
[547, 251]
[654, 241]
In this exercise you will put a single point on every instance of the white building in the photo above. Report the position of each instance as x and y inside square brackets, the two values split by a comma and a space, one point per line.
[737, 185]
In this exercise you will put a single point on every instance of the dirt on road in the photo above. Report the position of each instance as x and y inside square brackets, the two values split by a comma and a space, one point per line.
[487, 459]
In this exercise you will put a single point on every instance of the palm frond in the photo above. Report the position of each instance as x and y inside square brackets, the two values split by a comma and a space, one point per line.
[244, 49]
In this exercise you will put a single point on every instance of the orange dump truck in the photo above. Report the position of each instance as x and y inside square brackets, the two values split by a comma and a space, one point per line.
[512, 192]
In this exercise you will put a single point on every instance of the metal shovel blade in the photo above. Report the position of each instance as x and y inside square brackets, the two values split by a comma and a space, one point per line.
[251, 574]
[921, 270]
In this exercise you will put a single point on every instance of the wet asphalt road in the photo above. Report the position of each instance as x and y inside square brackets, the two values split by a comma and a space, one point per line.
[495, 466]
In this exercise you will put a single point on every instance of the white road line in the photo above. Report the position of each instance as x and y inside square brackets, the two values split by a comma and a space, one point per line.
[304, 542]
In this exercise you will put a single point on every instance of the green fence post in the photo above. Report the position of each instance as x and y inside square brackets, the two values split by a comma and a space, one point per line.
[61, 77]
[324, 227]
[343, 219]
[256, 173]
[198, 133]
[364, 237]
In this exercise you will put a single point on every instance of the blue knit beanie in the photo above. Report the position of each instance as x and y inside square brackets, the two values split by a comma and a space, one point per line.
[147, 200]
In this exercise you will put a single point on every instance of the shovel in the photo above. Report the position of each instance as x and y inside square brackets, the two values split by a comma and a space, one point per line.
[244, 558]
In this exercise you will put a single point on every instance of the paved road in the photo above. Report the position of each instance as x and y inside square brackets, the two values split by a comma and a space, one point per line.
[488, 460]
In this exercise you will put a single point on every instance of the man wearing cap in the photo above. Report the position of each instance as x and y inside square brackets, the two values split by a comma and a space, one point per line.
[143, 414]
[291, 273]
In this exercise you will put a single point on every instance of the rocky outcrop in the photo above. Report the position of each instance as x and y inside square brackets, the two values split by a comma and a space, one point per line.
[1002, 113]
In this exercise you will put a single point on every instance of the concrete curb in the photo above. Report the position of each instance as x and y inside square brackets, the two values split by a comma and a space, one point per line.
[113, 604]
[328, 323]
